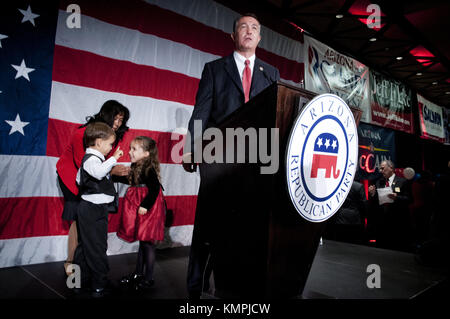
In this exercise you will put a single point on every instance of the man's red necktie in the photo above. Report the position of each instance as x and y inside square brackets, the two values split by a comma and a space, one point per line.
[247, 80]
[387, 183]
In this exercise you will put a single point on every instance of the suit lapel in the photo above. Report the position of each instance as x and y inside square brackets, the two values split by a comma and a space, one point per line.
[257, 78]
[394, 182]
[231, 69]
[257, 75]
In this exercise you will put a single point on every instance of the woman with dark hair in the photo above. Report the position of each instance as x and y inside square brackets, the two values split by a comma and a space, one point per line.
[116, 116]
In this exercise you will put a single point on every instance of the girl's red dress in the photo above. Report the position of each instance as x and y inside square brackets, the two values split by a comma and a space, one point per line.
[148, 227]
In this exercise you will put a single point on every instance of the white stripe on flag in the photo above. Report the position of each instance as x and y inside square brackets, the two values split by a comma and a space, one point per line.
[219, 17]
[72, 103]
[38, 178]
[34, 250]
[135, 46]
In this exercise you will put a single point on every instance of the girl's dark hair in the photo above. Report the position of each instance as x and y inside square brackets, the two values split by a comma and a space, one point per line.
[146, 164]
[109, 110]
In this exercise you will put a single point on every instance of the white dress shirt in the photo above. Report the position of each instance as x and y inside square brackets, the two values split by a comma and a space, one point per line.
[391, 180]
[240, 62]
[97, 169]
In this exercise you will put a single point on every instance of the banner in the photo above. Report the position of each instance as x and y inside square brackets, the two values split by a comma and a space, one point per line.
[328, 71]
[376, 144]
[431, 120]
[391, 103]
[446, 113]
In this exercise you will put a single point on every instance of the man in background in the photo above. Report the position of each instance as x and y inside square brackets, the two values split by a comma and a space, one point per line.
[393, 221]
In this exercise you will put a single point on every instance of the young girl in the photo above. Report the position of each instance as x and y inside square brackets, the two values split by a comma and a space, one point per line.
[143, 212]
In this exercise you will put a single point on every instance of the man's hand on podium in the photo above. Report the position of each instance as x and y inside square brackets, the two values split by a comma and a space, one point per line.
[188, 165]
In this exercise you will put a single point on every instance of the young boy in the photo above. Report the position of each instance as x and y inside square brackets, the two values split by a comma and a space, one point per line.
[98, 197]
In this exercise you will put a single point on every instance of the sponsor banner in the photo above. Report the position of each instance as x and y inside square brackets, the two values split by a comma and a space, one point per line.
[376, 144]
[328, 71]
[446, 113]
[321, 157]
[431, 120]
[391, 103]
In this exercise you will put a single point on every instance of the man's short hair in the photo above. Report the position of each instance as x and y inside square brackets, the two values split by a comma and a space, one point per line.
[235, 22]
[96, 130]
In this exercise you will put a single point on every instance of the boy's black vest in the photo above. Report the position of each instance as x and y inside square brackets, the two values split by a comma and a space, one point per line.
[90, 185]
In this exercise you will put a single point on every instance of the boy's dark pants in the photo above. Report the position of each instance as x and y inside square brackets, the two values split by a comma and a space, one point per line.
[90, 255]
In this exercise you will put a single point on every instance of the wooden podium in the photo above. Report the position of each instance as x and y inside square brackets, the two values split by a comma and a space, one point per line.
[260, 246]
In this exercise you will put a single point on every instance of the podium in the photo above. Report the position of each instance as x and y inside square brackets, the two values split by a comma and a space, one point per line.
[260, 246]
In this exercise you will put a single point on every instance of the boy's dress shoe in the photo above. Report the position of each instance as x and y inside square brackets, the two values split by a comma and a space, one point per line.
[101, 292]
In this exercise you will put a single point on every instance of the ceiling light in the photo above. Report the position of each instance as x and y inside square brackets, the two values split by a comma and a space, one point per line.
[419, 73]
[339, 16]
[399, 58]
[448, 92]
[422, 55]
[373, 39]
[435, 83]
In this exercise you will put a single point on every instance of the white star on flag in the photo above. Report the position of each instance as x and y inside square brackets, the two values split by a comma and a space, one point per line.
[327, 143]
[2, 36]
[22, 70]
[17, 125]
[28, 15]
[319, 142]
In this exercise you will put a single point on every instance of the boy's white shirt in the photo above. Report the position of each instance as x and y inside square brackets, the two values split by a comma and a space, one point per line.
[97, 169]
[391, 180]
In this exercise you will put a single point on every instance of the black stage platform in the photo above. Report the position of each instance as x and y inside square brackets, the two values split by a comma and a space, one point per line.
[339, 271]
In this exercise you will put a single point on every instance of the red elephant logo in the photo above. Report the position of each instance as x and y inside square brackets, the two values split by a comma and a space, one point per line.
[325, 155]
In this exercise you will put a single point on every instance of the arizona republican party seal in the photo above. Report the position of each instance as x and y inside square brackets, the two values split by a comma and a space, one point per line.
[321, 157]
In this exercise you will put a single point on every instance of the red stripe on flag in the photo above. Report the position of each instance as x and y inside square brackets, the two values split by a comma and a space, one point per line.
[183, 208]
[41, 216]
[31, 216]
[60, 133]
[94, 71]
[289, 70]
[169, 25]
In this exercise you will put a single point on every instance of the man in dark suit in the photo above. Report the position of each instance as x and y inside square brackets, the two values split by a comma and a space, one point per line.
[393, 219]
[226, 84]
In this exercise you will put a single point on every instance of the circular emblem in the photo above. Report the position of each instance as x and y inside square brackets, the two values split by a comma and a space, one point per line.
[321, 157]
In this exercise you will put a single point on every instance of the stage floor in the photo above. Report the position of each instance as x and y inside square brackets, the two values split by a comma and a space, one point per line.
[339, 271]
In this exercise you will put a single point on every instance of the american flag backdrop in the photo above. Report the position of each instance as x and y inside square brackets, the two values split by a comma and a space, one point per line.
[148, 55]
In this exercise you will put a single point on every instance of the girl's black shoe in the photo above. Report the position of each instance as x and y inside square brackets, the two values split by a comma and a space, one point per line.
[131, 279]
